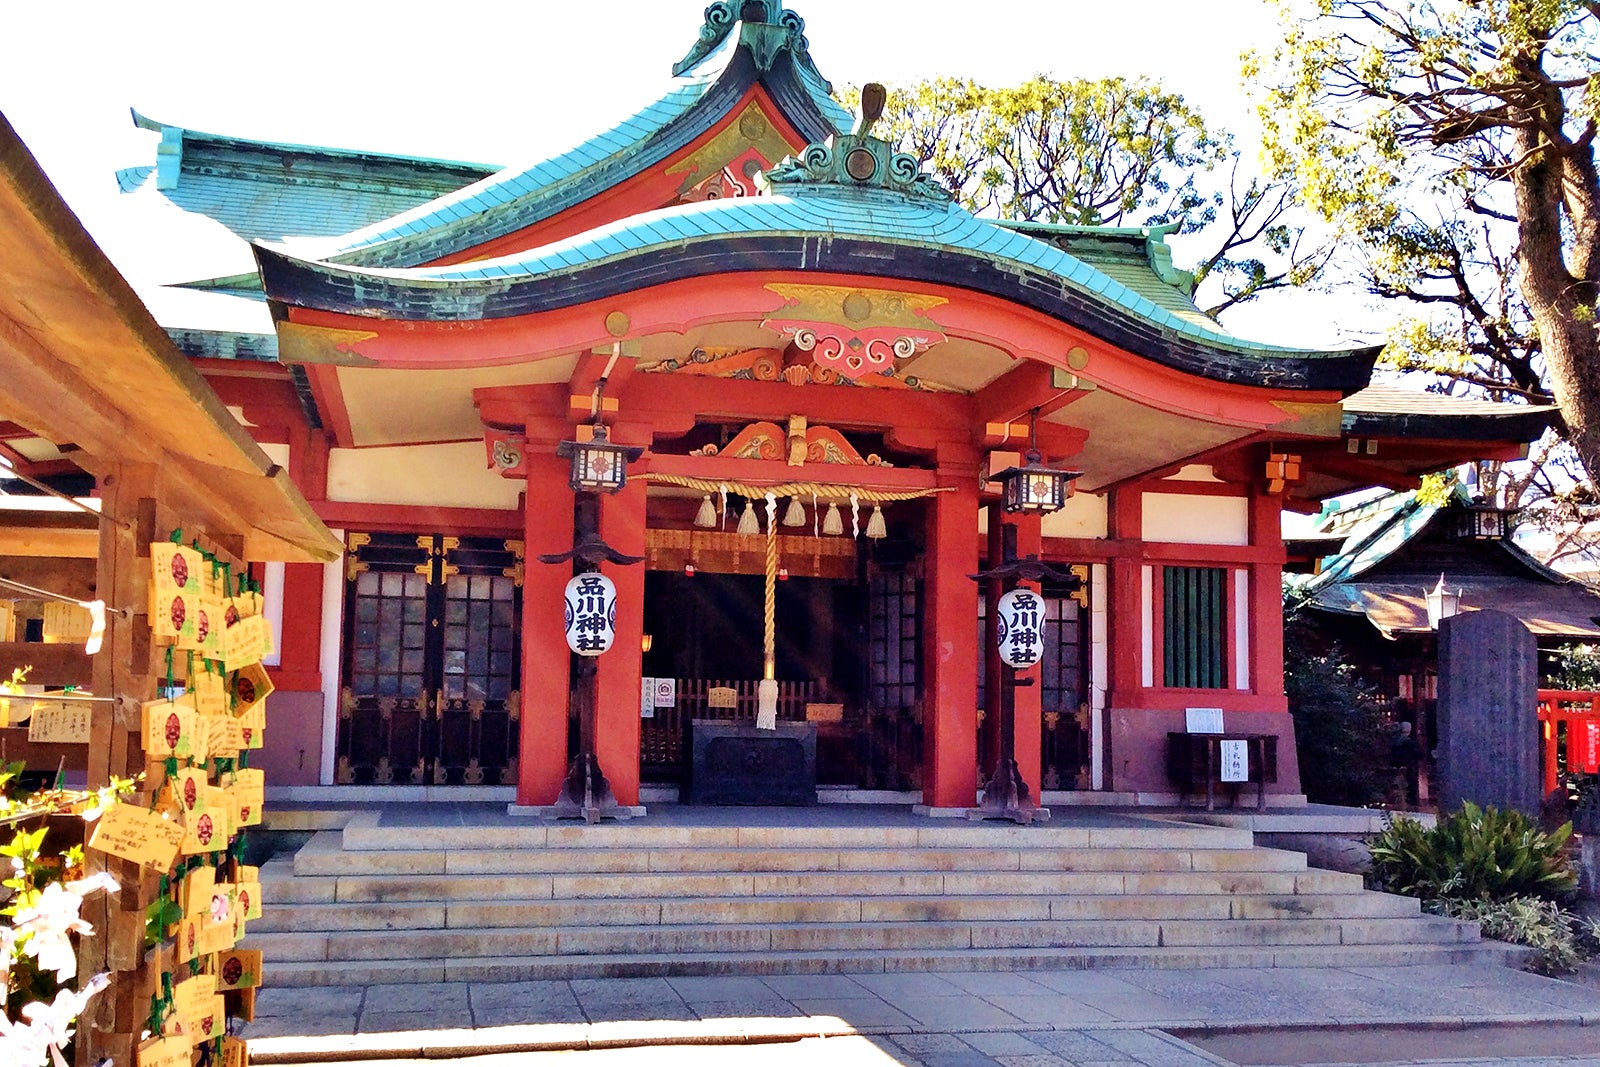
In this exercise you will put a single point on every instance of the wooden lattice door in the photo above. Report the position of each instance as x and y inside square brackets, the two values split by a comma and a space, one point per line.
[1065, 750]
[431, 660]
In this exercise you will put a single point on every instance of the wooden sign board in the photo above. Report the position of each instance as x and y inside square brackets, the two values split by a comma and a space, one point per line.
[722, 696]
[60, 722]
[138, 834]
[165, 1052]
[239, 968]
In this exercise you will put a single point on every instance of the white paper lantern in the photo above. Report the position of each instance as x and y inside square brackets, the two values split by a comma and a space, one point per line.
[1019, 628]
[591, 614]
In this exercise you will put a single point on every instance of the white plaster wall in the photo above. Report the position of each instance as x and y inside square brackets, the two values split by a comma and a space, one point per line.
[449, 475]
[1241, 629]
[278, 453]
[328, 659]
[272, 608]
[1179, 518]
[1195, 472]
[1147, 625]
[1083, 516]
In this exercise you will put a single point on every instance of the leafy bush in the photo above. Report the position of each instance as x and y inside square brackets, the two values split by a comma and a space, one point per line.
[1475, 854]
[1559, 939]
[1338, 733]
[1575, 666]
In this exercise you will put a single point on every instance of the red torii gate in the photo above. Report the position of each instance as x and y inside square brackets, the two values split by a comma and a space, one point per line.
[1577, 712]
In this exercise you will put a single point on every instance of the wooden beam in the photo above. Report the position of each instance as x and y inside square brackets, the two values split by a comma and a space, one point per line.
[49, 541]
[1367, 472]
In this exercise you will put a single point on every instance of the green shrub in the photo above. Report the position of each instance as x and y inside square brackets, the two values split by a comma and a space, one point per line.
[1560, 940]
[1338, 732]
[1475, 854]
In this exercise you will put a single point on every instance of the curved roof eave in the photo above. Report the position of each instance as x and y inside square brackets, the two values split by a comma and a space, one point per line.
[521, 196]
[934, 244]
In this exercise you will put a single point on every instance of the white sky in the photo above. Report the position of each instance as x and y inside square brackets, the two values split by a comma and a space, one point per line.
[495, 81]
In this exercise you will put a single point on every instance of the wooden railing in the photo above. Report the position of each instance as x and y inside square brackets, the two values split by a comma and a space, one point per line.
[1566, 715]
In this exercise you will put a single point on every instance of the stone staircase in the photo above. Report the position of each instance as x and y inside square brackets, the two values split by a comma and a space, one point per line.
[424, 903]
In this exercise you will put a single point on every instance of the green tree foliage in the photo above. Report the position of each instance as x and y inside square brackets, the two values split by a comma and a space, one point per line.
[1105, 152]
[1453, 143]
[1339, 738]
[1475, 854]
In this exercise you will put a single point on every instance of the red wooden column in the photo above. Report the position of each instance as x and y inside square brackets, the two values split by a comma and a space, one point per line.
[950, 657]
[1029, 699]
[1266, 599]
[546, 669]
[620, 669]
[1125, 659]
[988, 649]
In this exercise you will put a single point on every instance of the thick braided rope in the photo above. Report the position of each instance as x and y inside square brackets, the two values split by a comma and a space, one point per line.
[769, 604]
[822, 490]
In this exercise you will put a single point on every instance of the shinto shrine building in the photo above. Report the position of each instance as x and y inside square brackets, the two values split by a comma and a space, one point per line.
[796, 326]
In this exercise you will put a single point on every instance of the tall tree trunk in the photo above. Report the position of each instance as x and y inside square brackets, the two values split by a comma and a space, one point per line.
[1562, 302]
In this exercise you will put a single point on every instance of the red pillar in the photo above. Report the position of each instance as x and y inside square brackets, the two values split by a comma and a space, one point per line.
[622, 524]
[1124, 623]
[1266, 599]
[546, 681]
[993, 669]
[1029, 698]
[1123, 616]
[950, 667]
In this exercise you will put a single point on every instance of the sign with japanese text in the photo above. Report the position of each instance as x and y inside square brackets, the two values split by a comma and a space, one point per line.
[60, 723]
[138, 834]
[1589, 748]
[591, 605]
[1235, 759]
[1019, 628]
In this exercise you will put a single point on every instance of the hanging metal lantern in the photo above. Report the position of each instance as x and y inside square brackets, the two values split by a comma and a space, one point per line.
[1019, 628]
[1033, 487]
[598, 466]
[591, 603]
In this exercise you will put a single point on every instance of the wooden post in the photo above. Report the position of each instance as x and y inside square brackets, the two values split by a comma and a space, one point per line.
[546, 673]
[1028, 699]
[950, 656]
[622, 524]
[125, 668]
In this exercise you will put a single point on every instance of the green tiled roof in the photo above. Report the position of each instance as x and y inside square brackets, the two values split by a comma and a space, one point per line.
[1136, 256]
[262, 190]
[886, 218]
[519, 196]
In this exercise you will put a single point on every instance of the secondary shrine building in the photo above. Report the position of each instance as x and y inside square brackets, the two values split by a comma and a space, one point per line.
[796, 327]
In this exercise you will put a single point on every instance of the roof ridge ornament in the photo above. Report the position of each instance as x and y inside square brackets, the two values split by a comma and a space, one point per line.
[768, 28]
[857, 160]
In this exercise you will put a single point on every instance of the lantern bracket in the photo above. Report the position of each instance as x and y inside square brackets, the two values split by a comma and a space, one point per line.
[1029, 568]
[587, 544]
[592, 552]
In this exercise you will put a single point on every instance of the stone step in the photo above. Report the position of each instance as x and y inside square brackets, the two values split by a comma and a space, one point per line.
[474, 914]
[380, 888]
[851, 937]
[529, 968]
[323, 856]
[365, 832]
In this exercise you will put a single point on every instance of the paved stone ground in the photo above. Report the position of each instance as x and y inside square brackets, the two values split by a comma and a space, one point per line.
[978, 1019]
